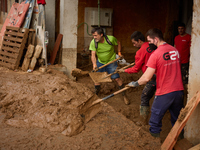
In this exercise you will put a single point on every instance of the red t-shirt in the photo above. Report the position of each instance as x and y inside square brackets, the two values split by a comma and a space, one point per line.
[166, 61]
[183, 46]
[41, 2]
[141, 58]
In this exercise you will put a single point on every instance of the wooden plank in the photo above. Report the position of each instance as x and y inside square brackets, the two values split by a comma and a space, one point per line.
[14, 49]
[56, 48]
[26, 63]
[9, 54]
[197, 147]
[30, 51]
[33, 63]
[13, 39]
[11, 44]
[8, 65]
[12, 28]
[38, 51]
[10, 60]
[14, 34]
[185, 113]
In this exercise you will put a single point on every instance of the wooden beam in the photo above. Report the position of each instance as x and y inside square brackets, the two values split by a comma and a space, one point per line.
[56, 48]
[185, 113]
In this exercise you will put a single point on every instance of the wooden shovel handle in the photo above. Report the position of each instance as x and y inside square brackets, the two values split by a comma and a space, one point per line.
[116, 71]
[125, 67]
[107, 64]
[109, 96]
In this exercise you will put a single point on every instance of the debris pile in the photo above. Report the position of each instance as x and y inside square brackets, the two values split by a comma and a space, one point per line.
[42, 100]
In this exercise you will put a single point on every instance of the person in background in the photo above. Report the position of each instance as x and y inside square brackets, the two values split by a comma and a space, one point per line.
[165, 62]
[102, 46]
[141, 58]
[182, 43]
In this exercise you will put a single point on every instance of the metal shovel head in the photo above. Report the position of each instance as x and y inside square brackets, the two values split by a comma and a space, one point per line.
[99, 77]
[87, 110]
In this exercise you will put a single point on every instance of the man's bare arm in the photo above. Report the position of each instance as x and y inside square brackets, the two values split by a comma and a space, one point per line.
[148, 74]
[94, 60]
[119, 48]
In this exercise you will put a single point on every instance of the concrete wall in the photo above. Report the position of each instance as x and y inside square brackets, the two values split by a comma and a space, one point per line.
[50, 23]
[192, 130]
[68, 27]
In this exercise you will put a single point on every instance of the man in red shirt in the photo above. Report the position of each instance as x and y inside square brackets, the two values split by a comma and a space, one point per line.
[182, 43]
[165, 62]
[141, 58]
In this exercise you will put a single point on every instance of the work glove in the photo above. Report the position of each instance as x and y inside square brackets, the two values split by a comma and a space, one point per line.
[133, 84]
[120, 70]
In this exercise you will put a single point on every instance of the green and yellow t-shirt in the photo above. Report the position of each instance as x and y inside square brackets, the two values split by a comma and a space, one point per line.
[105, 52]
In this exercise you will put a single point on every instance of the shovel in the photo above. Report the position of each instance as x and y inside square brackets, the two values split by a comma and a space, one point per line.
[109, 96]
[78, 72]
[125, 67]
[91, 107]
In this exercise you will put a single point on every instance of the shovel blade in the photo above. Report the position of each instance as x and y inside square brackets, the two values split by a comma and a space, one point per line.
[78, 72]
[98, 77]
[87, 110]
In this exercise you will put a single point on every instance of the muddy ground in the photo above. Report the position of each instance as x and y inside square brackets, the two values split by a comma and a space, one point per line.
[38, 111]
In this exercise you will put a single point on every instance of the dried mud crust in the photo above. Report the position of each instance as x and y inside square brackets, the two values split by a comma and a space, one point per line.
[37, 107]
[47, 100]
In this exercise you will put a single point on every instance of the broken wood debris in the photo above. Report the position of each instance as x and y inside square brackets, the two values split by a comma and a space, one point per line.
[36, 55]
[27, 59]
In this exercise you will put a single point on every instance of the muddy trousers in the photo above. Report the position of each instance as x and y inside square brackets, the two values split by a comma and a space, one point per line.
[148, 92]
[185, 72]
[173, 102]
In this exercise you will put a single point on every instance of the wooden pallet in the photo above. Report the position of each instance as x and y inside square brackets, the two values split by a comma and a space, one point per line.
[12, 46]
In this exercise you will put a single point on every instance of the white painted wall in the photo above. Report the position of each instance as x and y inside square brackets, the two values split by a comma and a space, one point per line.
[69, 20]
[192, 130]
[68, 27]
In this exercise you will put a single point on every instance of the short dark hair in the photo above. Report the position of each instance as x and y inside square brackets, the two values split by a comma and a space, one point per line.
[152, 33]
[181, 24]
[137, 35]
[99, 30]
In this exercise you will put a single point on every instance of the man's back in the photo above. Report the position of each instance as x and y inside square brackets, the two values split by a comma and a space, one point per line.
[166, 61]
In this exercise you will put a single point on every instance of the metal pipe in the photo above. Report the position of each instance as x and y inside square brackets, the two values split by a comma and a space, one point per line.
[98, 13]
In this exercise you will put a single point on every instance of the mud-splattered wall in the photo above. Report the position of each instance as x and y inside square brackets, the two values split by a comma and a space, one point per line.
[192, 130]
[131, 15]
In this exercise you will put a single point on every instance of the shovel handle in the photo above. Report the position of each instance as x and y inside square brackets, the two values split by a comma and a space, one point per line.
[116, 71]
[111, 95]
[125, 67]
[106, 64]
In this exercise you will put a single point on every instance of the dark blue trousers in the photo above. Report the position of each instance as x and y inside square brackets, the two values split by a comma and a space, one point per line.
[173, 102]
[148, 92]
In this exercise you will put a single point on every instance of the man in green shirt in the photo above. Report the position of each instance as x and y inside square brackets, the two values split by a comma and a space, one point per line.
[103, 47]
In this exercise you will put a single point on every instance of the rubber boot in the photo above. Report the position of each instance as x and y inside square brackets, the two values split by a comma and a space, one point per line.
[144, 113]
[155, 134]
[126, 100]
[97, 89]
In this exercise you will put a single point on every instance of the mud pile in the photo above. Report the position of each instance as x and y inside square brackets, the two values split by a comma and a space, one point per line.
[47, 100]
